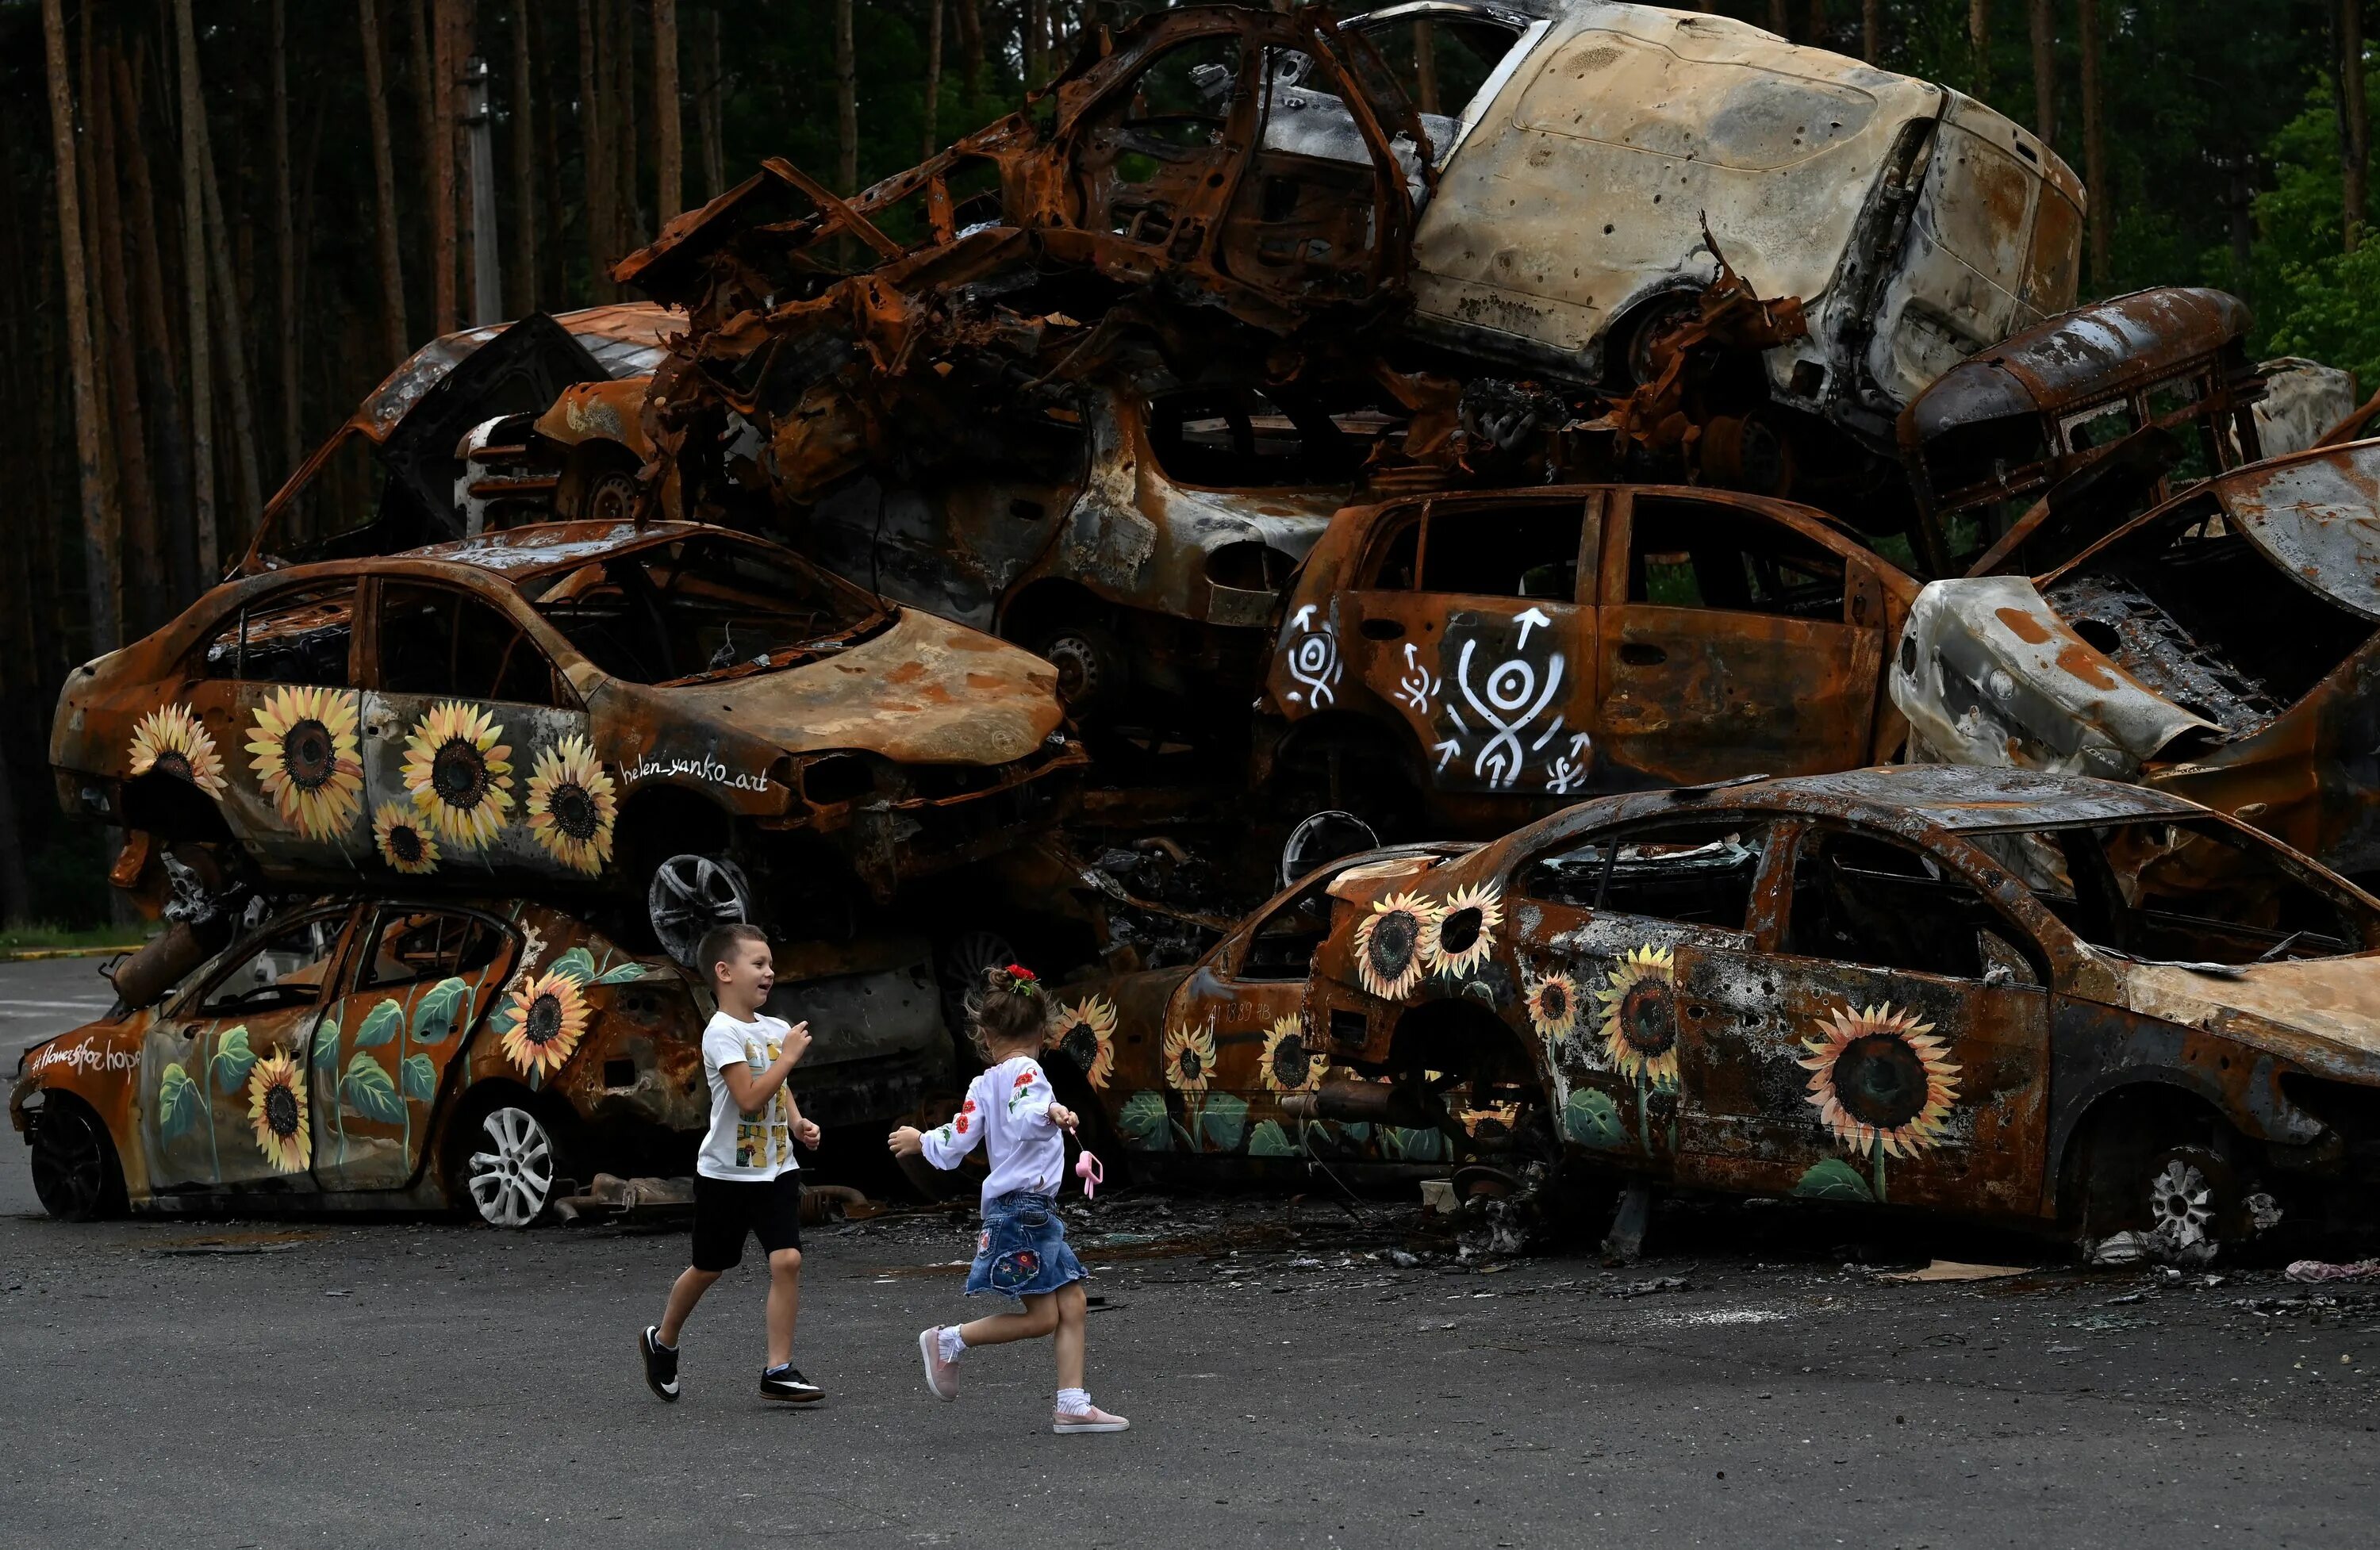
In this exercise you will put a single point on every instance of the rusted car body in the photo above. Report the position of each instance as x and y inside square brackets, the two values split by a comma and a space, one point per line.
[576, 707]
[2220, 646]
[2023, 453]
[1997, 993]
[391, 478]
[1488, 657]
[419, 1054]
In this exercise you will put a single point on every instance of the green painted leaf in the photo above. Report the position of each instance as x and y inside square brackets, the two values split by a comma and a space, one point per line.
[631, 970]
[434, 1015]
[1591, 1119]
[1223, 1121]
[577, 965]
[421, 1078]
[1834, 1180]
[232, 1058]
[1144, 1123]
[379, 1025]
[1355, 1132]
[1412, 1145]
[177, 1101]
[1268, 1139]
[370, 1093]
[326, 1045]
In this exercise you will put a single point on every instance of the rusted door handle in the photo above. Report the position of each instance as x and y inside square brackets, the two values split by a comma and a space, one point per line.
[1383, 629]
[1636, 653]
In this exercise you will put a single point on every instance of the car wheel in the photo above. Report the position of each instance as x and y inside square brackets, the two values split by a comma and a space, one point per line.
[690, 894]
[76, 1175]
[1092, 674]
[2186, 1204]
[510, 1175]
[1323, 837]
[964, 962]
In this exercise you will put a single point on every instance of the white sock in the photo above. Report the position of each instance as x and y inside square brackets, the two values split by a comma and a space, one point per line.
[1073, 1401]
[948, 1339]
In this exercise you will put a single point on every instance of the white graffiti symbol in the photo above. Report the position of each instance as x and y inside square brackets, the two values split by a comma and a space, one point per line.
[1569, 770]
[1513, 698]
[1418, 684]
[84, 1057]
[703, 769]
[1314, 661]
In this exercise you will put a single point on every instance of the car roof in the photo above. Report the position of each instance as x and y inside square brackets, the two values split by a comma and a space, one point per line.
[1965, 799]
[518, 552]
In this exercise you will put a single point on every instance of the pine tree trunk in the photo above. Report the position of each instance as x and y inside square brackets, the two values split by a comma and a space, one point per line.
[596, 156]
[668, 137]
[846, 102]
[1872, 30]
[933, 75]
[1035, 26]
[524, 200]
[175, 521]
[135, 495]
[708, 85]
[971, 45]
[628, 206]
[1817, 33]
[2094, 151]
[1780, 21]
[439, 68]
[89, 255]
[2355, 148]
[1425, 47]
[284, 242]
[194, 286]
[391, 272]
[2044, 72]
[557, 216]
[234, 339]
[1979, 44]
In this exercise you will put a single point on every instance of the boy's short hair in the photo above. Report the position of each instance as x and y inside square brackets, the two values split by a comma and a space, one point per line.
[720, 940]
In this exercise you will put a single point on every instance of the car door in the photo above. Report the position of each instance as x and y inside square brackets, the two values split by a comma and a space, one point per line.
[1734, 642]
[420, 981]
[270, 728]
[1466, 624]
[227, 1076]
[1894, 1049]
[477, 752]
[1234, 1042]
[1614, 918]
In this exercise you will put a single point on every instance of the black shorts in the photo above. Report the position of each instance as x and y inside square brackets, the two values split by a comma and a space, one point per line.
[725, 1210]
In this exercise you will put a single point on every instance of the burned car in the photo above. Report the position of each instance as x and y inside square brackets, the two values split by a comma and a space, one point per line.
[2002, 995]
[681, 715]
[1486, 656]
[2219, 647]
[424, 1053]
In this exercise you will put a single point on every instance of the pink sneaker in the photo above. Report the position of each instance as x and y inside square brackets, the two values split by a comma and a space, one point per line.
[942, 1377]
[1091, 1420]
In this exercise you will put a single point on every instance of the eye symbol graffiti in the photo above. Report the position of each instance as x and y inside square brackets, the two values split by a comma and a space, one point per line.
[1418, 684]
[1510, 686]
[1314, 661]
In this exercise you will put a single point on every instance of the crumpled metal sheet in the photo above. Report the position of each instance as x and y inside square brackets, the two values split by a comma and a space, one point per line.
[2317, 516]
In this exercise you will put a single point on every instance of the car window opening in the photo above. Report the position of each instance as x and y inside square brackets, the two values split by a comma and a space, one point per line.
[1861, 900]
[1687, 555]
[1695, 874]
[434, 640]
[1485, 550]
[411, 946]
[291, 637]
[1283, 946]
[285, 969]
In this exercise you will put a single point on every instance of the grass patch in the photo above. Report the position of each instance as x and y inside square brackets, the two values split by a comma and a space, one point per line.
[37, 934]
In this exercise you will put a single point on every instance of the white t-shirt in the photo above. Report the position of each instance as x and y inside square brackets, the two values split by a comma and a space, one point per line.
[749, 1149]
[1007, 1109]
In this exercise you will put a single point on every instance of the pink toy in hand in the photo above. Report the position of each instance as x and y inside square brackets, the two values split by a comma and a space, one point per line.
[1088, 1168]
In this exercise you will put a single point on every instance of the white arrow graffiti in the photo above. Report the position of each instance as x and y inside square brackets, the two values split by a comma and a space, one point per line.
[1530, 621]
[1314, 661]
[1445, 752]
[1569, 770]
[1510, 686]
[1415, 687]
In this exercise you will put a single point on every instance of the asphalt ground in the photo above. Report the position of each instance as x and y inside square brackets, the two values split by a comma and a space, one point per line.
[1292, 1379]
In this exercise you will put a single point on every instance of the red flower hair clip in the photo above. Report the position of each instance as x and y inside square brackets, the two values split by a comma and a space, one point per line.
[1023, 980]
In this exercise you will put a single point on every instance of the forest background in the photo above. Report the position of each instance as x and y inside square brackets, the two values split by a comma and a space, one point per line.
[271, 207]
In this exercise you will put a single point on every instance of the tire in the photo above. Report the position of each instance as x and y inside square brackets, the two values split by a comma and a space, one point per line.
[962, 970]
[690, 894]
[1093, 674]
[603, 487]
[2189, 1203]
[76, 1173]
[510, 1166]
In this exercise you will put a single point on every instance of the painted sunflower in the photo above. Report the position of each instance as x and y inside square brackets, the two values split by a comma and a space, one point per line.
[402, 841]
[1458, 941]
[1388, 944]
[1289, 1064]
[169, 738]
[1552, 1005]
[1084, 1033]
[460, 773]
[1498, 1119]
[304, 752]
[549, 1018]
[1189, 1059]
[276, 1112]
[571, 805]
[1880, 1077]
[1640, 1021]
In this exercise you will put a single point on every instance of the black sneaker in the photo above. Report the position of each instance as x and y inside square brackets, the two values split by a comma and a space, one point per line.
[660, 1363]
[787, 1383]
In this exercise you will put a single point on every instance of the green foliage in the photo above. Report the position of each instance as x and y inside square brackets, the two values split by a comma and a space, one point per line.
[578, 966]
[1268, 1139]
[379, 1025]
[1834, 1180]
[232, 1059]
[420, 1082]
[367, 1089]
[434, 1017]
[2315, 298]
[1591, 1119]
[1144, 1124]
[1223, 1121]
[178, 1102]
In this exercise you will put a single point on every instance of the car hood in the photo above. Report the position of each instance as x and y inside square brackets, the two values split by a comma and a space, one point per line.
[926, 691]
[2324, 1013]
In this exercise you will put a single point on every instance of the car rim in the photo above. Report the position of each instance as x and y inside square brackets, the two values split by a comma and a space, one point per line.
[2181, 1204]
[613, 498]
[1324, 835]
[512, 1180]
[691, 894]
[69, 1171]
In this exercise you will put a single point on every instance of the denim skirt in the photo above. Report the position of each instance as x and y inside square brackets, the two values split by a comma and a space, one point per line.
[1023, 1248]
